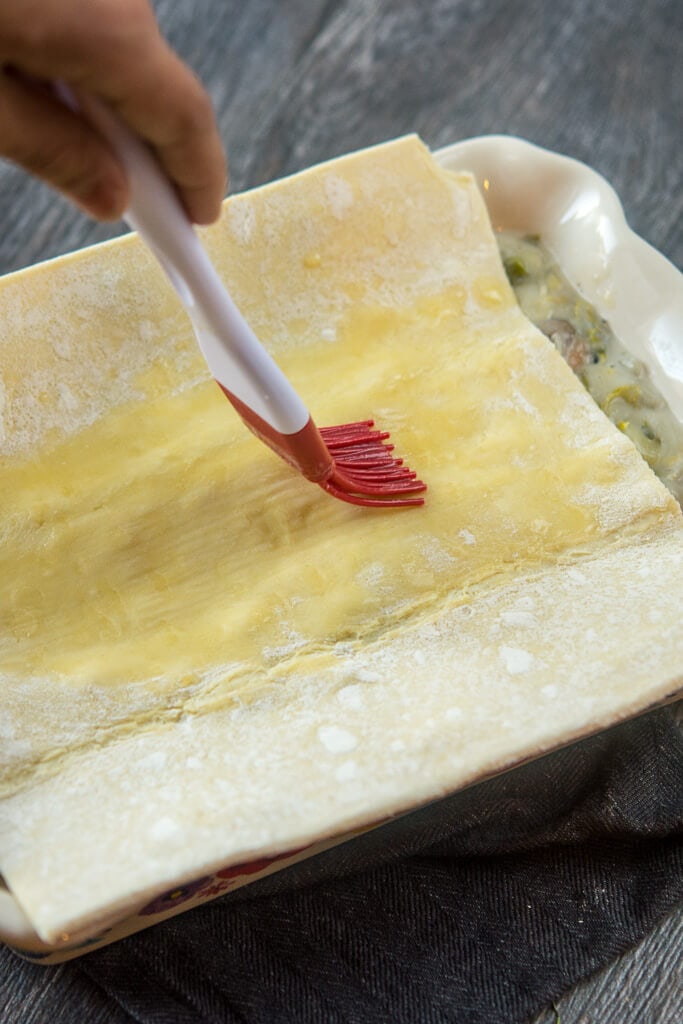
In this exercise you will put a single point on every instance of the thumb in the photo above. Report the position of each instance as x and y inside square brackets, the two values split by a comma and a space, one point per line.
[42, 136]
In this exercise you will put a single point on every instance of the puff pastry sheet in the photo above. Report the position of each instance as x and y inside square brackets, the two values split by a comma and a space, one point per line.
[203, 657]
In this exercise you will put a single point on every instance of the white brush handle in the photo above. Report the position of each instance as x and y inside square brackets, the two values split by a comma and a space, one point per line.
[234, 355]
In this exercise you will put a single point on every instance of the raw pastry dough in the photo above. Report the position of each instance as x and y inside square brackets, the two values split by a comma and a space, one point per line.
[167, 584]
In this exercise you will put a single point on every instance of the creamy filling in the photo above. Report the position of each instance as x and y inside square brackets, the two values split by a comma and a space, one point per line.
[619, 383]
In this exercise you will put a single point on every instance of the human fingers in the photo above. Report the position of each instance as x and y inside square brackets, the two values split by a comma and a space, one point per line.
[113, 50]
[163, 102]
[47, 140]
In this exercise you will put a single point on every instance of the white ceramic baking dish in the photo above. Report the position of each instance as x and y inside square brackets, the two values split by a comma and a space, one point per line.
[579, 218]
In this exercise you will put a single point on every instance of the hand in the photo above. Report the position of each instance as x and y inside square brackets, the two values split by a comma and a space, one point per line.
[111, 49]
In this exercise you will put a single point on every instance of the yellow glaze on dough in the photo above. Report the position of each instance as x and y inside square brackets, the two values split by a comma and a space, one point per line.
[163, 541]
[161, 545]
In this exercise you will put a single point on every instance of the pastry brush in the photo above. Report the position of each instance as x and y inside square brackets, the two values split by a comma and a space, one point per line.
[353, 462]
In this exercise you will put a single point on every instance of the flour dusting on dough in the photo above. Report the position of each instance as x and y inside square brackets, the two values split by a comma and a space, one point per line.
[516, 660]
[519, 619]
[336, 739]
[164, 829]
[346, 771]
[242, 220]
[351, 696]
[339, 195]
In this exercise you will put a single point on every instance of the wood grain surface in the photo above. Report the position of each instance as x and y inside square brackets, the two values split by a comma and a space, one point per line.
[298, 81]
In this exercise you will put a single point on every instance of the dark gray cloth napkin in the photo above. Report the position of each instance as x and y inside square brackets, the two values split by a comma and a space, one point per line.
[479, 909]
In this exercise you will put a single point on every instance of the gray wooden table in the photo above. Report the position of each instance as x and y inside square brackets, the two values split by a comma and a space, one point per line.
[298, 81]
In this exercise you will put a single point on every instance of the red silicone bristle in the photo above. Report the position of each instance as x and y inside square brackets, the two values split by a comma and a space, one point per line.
[366, 472]
[363, 428]
[353, 462]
